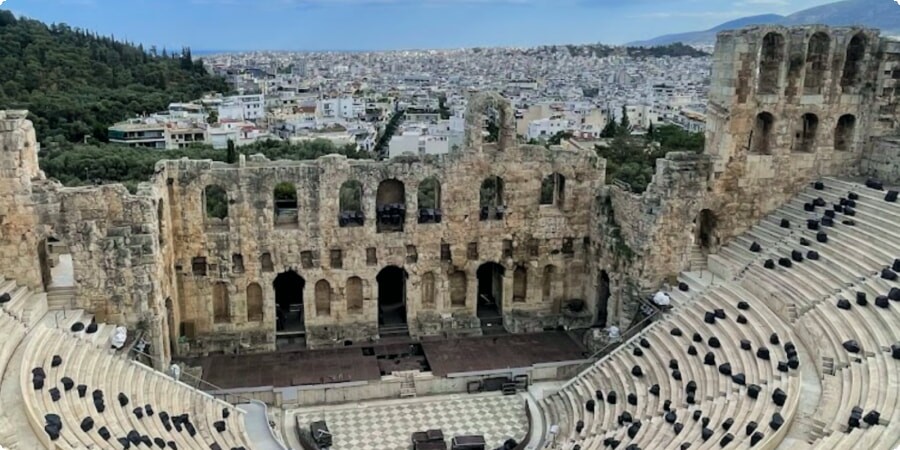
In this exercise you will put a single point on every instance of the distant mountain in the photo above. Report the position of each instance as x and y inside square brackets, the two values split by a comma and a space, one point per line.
[881, 14]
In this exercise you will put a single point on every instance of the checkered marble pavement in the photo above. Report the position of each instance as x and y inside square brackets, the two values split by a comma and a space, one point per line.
[388, 425]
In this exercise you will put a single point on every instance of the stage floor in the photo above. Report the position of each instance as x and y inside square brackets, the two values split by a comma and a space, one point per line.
[369, 362]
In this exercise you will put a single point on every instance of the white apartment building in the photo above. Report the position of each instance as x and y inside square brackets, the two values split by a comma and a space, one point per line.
[346, 108]
[242, 107]
[240, 132]
[543, 129]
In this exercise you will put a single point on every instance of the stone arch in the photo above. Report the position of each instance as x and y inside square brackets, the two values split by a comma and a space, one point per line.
[215, 202]
[392, 297]
[490, 290]
[761, 136]
[350, 204]
[323, 298]
[429, 200]
[390, 206]
[817, 52]
[771, 57]
[428, 290]
[856, 53]
[458, 288]
[553, 190]
[254, 303]
[845, 132]
[284, 197]
[289, 287]
[491, 198]
[705, 225]
[806, 133]
[354, 295]
[484, 109]
[221, 302]
[520, 284]
[548, 281]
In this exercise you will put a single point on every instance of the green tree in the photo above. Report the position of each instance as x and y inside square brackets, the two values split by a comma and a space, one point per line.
[213, 117]
[611, 129]
[76, 83]
[230, 153]
[625, 124]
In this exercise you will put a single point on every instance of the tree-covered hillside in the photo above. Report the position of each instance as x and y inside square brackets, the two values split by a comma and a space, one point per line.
[76, 83]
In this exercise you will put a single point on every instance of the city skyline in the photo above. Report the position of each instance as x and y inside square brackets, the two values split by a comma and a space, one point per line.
[232, 25]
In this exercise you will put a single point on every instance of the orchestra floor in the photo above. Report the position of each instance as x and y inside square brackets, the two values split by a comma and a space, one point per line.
[370, 361]
[389, 424]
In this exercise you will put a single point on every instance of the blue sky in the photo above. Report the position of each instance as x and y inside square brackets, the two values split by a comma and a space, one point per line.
[391, 24]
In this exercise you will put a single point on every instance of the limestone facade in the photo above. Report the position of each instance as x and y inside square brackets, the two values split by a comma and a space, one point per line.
[193, 259]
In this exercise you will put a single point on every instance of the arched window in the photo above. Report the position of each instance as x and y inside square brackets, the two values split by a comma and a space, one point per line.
[548, 284]
[520, 285]
[770, 58]
[856, 52]
[323, 298]
[354, 294]
[215, 200]
[390, 206]
[285, 200]
[351, 211]
[844, 133]
[806, 133]
[458, 287]
[429, 200]
[816, 63]
[428, 290]
[553, 190]
[491, 199]
[254, 303]
[762, 134]
[220, 303]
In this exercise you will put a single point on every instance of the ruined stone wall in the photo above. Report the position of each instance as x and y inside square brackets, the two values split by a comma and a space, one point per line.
[113, 238]
[530, 236]
[19, 239]
[882, 160]
[763, 148]
[645, 239]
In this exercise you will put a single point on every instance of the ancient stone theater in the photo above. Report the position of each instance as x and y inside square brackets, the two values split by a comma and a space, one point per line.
[502, 292]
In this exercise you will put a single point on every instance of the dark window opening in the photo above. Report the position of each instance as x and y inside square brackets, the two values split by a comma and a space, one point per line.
[491, 199]
[770, 60]
[553, 190]
[285, 196]
[351, 211]
[856, 52]
[391, 299]
[762, 134]
[844, 132]
[816, 63]
[198, 266]
[490, 294]
[390, 206]
[429, 201]
[809, 125]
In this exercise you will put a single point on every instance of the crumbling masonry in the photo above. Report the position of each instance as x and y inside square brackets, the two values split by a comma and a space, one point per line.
[210, 257]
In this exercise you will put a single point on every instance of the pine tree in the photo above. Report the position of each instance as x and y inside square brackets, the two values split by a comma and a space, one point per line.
[625, 125]
[231, 155]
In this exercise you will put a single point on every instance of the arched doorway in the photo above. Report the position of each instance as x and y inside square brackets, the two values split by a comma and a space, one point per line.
[706, 231]
[289, 302]
[392, 301]
[490, 294]
[603, 294]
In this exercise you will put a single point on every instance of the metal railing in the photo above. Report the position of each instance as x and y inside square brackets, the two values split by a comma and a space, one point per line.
[632, 332]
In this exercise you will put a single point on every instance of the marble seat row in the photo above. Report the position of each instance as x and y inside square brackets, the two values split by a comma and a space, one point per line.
[66, 362]
[656, 352]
